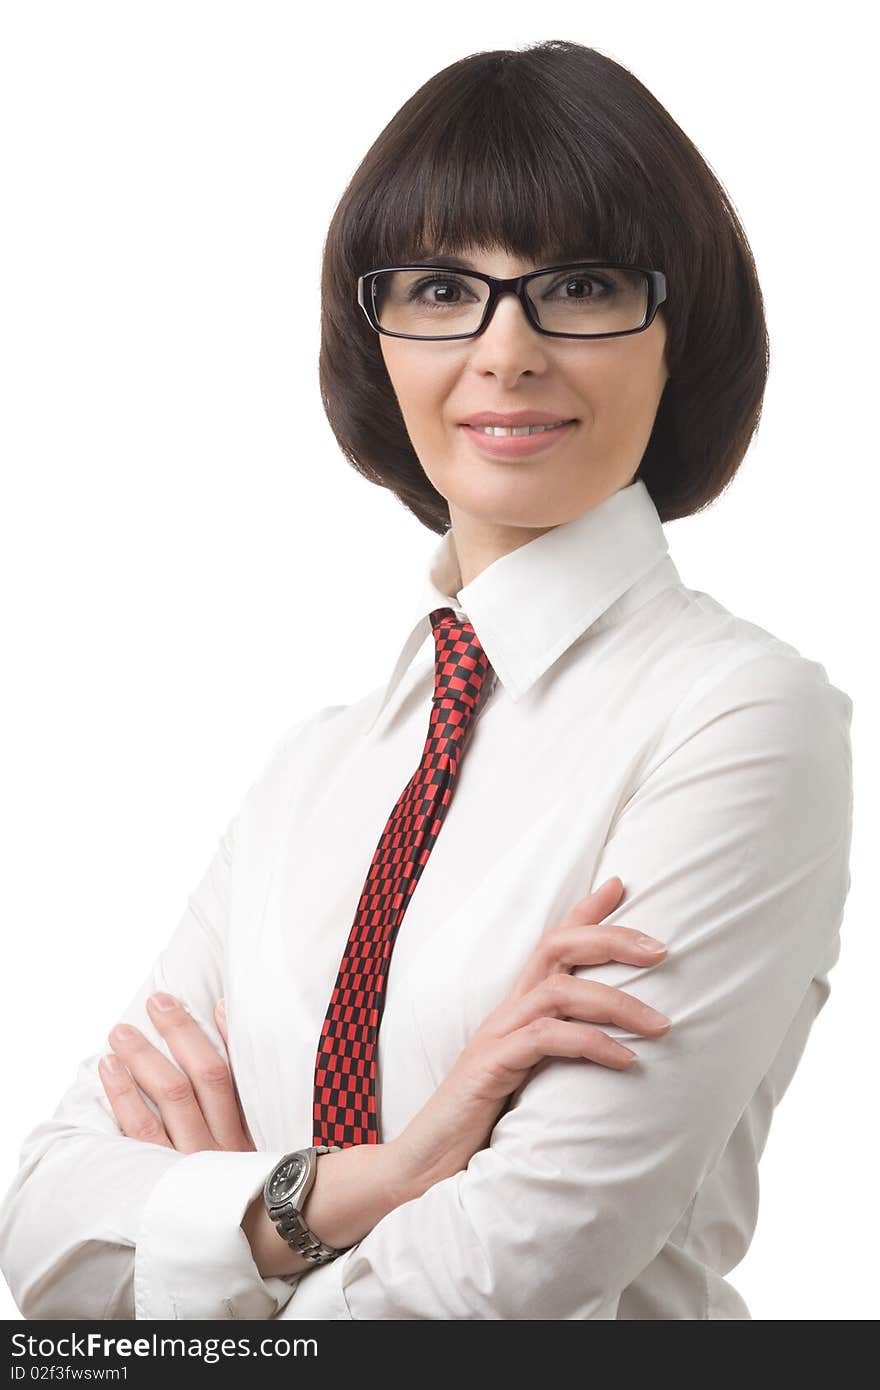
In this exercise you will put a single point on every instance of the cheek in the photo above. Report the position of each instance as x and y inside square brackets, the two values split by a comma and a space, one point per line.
[627, 384]
[421, 389]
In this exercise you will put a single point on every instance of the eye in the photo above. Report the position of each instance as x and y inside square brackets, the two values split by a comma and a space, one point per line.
[597, 283]
[447, 283]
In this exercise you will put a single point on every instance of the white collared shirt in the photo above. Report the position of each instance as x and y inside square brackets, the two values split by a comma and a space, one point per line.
[634, 727]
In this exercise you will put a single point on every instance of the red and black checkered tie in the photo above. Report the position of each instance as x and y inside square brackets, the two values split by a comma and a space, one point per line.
[345, 1070]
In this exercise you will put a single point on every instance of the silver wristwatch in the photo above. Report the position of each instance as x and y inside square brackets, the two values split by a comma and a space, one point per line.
[285, 1192]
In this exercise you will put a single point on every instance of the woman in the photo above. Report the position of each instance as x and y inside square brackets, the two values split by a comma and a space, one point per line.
[531, 242]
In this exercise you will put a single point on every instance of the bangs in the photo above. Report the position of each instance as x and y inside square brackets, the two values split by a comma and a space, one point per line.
[507, 167]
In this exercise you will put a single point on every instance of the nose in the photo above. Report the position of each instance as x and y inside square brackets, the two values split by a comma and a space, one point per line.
[507, 310]
[509, 337]
[508, 346]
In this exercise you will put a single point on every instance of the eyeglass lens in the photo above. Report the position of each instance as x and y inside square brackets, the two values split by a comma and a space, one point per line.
[579, 301]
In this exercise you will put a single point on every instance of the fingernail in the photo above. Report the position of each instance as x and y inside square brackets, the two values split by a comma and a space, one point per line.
[111, 1062]
[221, 1007]
[608, 881]
[655, 1017]
[647, 943]
[163, 1001]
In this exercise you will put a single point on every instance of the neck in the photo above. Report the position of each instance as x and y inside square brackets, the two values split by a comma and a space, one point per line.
[478, 544]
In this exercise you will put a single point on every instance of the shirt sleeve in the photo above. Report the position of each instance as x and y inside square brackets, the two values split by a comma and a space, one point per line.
[733, 849]
[97, 1225]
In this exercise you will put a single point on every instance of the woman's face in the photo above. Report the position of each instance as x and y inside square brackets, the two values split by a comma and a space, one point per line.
[611, 387]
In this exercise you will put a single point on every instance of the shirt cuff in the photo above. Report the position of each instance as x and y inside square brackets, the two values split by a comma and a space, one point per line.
[192, 1259]
[321, 1295]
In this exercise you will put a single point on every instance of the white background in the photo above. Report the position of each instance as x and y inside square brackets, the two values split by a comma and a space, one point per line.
[188, 564]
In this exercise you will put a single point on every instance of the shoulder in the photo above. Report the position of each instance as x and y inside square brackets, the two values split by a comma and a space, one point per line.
[752, 711]
[725, 662]
[287, 756]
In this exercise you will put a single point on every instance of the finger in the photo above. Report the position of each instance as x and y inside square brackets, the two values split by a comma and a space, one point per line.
[592, 911]
[223, 1029]
[565, 996]
[595, 905]
[133, 1115]
[207, 1071]
[555, 1037]
[564, 947]
[168, 1087]
[220, 1020]
[589, 910]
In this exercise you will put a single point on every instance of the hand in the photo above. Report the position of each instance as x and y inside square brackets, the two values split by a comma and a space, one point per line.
[531, 1023]
[199, 1105]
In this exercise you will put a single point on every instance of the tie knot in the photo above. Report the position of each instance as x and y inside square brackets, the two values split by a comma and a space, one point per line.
[460, 664]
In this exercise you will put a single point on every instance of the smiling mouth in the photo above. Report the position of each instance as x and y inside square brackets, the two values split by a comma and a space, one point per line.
[503, 430]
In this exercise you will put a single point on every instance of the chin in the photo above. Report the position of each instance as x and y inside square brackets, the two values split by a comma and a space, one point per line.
[535, 513]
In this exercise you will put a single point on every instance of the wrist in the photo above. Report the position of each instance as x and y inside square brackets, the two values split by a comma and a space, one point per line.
[442, 1138]
[405, 1174]
[353, 1189]
[272, 1256]
[416, 1166]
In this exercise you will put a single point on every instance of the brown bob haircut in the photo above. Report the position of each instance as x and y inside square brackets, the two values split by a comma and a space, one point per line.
[544, 151]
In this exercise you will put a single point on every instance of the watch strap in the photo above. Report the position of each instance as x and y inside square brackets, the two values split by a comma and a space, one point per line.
[293, 1229]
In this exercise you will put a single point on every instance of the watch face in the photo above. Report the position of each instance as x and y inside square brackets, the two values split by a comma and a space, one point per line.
[286, 1178]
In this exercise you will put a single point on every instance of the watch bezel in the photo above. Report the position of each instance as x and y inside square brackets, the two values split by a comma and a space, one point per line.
[306, 1162]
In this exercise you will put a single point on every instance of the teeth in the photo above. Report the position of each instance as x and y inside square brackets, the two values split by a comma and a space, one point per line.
[525, 429]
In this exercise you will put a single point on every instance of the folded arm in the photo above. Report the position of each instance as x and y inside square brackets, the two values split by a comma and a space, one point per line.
[98, 1225]
[734, 851]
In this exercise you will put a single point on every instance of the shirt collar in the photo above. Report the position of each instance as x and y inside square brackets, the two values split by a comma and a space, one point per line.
[530, 605]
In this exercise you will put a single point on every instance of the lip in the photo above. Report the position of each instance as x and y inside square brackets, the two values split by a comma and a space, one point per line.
[512, 419]
[514, 446]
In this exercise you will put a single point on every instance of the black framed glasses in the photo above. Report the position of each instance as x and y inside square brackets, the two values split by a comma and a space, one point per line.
[580, 299]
